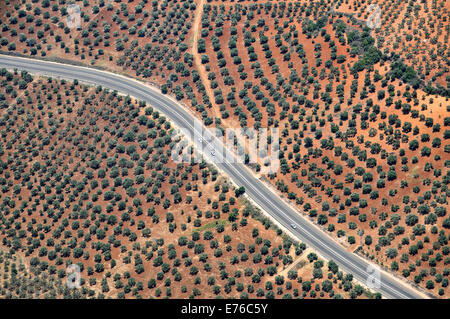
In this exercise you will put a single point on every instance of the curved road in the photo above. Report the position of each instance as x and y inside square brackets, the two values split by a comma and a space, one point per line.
[262, 195]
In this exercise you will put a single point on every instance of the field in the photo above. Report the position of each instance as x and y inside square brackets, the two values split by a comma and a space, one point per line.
[418, 31]
[87, 179]
[363, 113]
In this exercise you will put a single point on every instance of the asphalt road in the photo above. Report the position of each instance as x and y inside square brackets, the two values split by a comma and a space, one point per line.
[262, 195]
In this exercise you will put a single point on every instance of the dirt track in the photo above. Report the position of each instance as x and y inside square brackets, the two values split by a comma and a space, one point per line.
[197, 58]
